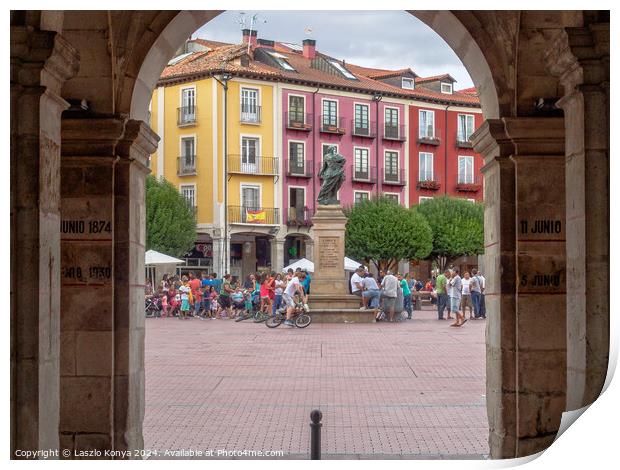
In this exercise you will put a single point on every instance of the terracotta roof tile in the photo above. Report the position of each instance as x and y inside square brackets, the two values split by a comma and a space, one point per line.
[222, 59]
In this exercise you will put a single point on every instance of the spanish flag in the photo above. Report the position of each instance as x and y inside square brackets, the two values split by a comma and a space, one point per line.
[256, 217]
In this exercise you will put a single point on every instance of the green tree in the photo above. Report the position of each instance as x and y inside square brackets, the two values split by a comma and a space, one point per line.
[384, 232]
[457, 225]
[170, 219]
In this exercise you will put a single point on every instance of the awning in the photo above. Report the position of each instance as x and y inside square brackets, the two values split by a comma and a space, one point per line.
[153, 257]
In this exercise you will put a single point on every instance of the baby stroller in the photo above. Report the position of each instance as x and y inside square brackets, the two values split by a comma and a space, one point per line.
[152, 307]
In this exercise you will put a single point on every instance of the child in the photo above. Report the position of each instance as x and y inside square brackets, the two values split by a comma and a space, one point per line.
[185, 292]
[164, 304]
[213, 303]
[265, 301]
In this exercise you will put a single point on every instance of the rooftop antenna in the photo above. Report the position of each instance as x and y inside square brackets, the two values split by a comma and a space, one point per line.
[241, 21]
[308, 31]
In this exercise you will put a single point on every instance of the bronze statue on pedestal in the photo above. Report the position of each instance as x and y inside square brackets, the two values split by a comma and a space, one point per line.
[332, 175]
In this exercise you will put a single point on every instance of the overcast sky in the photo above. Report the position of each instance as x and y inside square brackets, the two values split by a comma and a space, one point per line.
[381, 39]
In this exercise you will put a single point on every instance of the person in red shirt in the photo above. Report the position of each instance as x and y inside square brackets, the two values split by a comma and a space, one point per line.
[196, 286]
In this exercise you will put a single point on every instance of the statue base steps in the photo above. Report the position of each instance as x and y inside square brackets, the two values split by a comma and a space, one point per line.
[342, 315]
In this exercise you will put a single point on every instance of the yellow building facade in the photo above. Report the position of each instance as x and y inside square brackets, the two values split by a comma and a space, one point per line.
[219, 148]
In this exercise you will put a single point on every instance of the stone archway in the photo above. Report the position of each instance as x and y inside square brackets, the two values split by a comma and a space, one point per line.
[91, 380]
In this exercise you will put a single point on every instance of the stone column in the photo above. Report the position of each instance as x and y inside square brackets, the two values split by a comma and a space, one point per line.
[41, 61]
[310, 247]
[541, 279]
[491, 141]
[580, 58]
[277, 254]
[88, 231]
[525, 272]
[130, 171]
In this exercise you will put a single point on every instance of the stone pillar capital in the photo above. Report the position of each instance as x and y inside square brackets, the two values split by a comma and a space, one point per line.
[91, 135]
[490, 140]
[535, 135]
[138, 142]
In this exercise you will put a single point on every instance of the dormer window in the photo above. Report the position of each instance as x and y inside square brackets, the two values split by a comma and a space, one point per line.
[342, 70]
[407, 83]
[446, 88]
[281, 60]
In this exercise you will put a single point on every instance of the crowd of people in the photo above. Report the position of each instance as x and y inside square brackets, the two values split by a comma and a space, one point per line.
[391, 293]
[209, 297]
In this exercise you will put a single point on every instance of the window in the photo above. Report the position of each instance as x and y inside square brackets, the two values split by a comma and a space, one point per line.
[360, 196]
[281, 61]
[391, 166]
[392, 196]
[361, 126]
[249, 105]
[446, 88]
[188, 106]
[187, 162]
[361, 164]
[342, 70]
[391, 123]
[296, 110]
[424, 198]
[249, 154]
[465, 127]
[189, 193]
[426, 167]
[296, 203]
[250, 197]
[296, 157]
[407, 83]
[427, 124]
[466, 170]
[330, 113]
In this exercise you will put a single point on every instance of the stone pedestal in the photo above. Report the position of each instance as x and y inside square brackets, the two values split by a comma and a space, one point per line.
[330, 301]
[329, 226]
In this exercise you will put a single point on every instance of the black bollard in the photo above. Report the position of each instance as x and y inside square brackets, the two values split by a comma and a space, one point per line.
[315, 434]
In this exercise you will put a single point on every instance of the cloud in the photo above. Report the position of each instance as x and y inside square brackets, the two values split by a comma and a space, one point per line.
[381, 39]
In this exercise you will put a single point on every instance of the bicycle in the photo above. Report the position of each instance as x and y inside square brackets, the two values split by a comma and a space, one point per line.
[301, 317]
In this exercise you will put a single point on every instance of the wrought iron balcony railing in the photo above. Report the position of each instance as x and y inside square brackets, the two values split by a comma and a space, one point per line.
[364, 129]
[394, 132]
[250, 114]
[186, 116]
[297, 169]
[468, 183]
[298, 121]
[253, 215]
[253, 165]
[394, 178]
[364, 174]
[299, 216]
[186, 165]
[332, 125]
[428, 180]
[429, 136]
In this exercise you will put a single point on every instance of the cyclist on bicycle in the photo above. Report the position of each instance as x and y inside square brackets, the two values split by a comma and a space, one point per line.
[293, 287]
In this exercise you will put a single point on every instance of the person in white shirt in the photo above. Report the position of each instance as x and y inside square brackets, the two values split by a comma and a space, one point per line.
[389, 286]
[356, 284]
[293, 287]
[466, 298]
[371, 293]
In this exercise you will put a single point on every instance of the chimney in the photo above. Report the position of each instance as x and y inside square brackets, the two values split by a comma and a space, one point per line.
[249, 37]
[266, 43]
[309, 48]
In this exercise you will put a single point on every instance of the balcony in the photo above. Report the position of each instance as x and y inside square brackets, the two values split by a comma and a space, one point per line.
[395, 178]
[186, 116]
[186, 165]
[299, 217]
[391, 132]
[429, 137]
[250, 114]
[468, 183]
[427, 180]
[332, 126]
[253, 215]
[463, 143]
[298, 121]
[364, 175]
[297, 169]
[364, 129]
[257, 165]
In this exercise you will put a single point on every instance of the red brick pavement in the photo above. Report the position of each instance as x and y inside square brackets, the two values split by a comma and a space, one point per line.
[414, 389]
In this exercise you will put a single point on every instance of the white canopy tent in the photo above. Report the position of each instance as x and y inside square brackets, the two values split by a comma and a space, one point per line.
[303, 263]
[154, 259]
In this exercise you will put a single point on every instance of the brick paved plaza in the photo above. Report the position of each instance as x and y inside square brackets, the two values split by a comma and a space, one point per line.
[405, 390]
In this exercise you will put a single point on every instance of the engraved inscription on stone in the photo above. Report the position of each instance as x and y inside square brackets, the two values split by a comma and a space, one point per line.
[540, 227]
[538, 274]
[328, 253]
